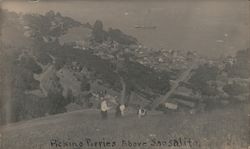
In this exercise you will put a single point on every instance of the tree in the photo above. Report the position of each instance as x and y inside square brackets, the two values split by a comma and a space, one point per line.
[30, 64]
[57, 102]
[235, 89]
[99, 34]
[241, 67]
[135, 77]
[200, 78]
[118, 36]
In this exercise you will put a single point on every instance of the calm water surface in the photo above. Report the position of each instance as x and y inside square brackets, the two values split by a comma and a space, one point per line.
[211, 27]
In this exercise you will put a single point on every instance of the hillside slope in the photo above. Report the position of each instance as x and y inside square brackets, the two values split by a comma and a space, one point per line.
[219, 129]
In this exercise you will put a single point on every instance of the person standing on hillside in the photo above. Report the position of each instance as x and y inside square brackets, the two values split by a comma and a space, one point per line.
[141, 112]
[104, 108]
[120, 110]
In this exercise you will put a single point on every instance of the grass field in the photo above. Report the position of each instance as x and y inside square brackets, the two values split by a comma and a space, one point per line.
[226, 128]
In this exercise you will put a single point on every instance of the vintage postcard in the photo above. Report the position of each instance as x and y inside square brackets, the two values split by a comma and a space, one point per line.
[124, 74]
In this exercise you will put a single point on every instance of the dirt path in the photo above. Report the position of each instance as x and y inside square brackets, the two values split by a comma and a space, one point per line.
[184, 76]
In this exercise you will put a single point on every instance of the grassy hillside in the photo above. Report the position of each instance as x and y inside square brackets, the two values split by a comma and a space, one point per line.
[220, 129]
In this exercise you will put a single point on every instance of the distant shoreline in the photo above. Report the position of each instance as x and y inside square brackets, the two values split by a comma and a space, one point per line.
[208, 32]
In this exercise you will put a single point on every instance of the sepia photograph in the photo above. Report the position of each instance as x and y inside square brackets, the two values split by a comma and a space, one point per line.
[124, 74]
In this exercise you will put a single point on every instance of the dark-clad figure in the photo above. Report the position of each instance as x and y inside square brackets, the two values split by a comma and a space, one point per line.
[118, 112]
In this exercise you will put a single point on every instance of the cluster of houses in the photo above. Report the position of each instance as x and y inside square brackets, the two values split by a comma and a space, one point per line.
[163, 59]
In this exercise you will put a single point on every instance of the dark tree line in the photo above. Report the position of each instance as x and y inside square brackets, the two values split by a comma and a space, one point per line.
[200, 78]
[100, 35]
[241, 67]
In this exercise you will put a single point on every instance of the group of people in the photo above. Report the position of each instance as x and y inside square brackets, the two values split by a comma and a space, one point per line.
[120, 110]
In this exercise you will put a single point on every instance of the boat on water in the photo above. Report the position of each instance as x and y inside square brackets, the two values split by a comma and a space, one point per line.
[145, 27]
